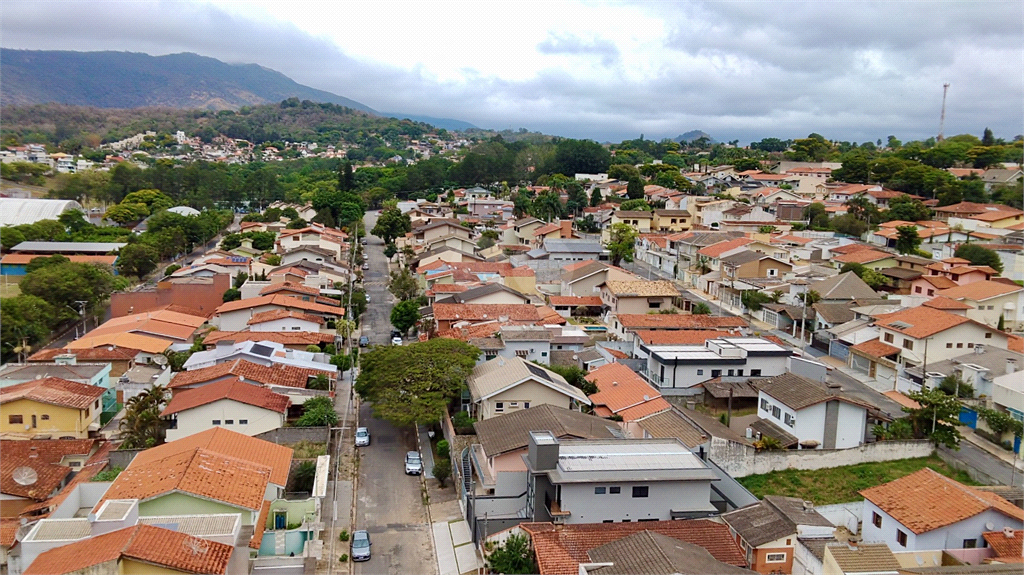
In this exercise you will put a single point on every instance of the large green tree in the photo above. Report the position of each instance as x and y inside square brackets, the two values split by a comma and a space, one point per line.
[65, 284]
[621, 243]
[405, 314]
[937, 418]
[403, 285]
[908, 209]
[979, 256]
[391, 224]
[137, 260]
[580, 157]
[25, 319]
[416, 382]
[907, 239]
[513, 556]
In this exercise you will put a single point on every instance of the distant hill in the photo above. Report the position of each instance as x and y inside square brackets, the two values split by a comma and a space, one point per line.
[446, 123]
[134, 80]
[694, 135]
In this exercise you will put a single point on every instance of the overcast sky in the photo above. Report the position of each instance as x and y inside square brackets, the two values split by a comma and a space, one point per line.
[738, 70]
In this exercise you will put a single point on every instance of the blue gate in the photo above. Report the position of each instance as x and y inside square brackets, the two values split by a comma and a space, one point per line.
[968, 417]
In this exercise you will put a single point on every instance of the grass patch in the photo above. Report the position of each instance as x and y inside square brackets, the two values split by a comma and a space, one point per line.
[308, 449]
[9, 289]
[841, 484]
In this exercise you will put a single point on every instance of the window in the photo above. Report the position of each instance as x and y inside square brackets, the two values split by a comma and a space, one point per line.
[908, 344]
[526, 405]
[641, 491]
[772, 272]
[970, 543]
[970, 346]
[888, 338]
[755, 373]
[700, 372]
[216, 422]
[790, 420]
[522, 352]
[732, 372]
[97, 404]
[775, 558]
[513, 404]
[716, 373]
[74, 464]
[654, 304]
[764, 404]
[87, 412]
[599, 491]
[739, 372]
[608, 521]
[931, 292]
[543, 354]
[614, 490]
[44, 417]
[988, 335]
[959, 345]
[949, 346]
[917, 289]
[15, 419]
[876, 519]
[776, 412]
[901, 538]
[243, 422]
[500, 406]
[229, 422]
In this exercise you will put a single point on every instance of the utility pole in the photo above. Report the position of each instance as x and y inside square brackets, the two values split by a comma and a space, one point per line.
[942, 117]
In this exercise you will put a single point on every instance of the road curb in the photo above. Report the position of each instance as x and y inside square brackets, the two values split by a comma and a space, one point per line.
[355, 476]
[423, 486]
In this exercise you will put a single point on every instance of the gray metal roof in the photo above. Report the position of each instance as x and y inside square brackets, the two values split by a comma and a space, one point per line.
[993, 359]
[652, 553]
[773, 518]
[763, 427]
[17, 211]
[576, 246]
[81, 372]
[624, 460]
[68, 247]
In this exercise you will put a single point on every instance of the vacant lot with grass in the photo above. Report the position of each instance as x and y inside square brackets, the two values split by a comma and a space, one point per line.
[841, 484]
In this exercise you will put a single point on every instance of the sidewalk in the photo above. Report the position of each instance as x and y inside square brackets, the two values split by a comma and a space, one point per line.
[991, 448]
[456, 553]
[426, 452]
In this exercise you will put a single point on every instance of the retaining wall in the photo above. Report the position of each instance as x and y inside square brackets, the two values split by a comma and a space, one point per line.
[741, 460]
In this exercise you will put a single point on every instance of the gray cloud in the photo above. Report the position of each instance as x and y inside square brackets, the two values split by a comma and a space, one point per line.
[743, 70]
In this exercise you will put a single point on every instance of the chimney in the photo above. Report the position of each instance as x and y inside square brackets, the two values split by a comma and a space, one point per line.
[1011, 366]
[979, 348]
[65, 359]
[1008, 532]
[543, 451]
[808, 506]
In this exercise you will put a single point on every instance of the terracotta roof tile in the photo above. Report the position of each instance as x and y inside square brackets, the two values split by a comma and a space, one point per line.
[300, 338]
[923, 321]
[621, 391]
[876, 348]
[233, 389]
[42, 455]
[145, 543]
[448, 288]
[96, 463]
[680, 337]
[850, 248]
[276, 314]
[978, 291]
[560, 549]
[926, 500]
[146, 343]
[289, 286]
[575, 300]
[484, 312]
[645, 288]
[8, 530]
[939, 282]
[1015, 343]
[54, 391]
[280, 300]
[862, 256]
[519, 272]
[277, 374]
[24, 259]
[901, 399]
[678, 321]
[260, 526]
[945, 303]
[86, 355]
[1006, 548]
[716, 250]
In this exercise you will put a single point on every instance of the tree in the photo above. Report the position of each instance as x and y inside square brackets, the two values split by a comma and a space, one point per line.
[231, 294]
[987, 139]
[403, 285]
[317, 412]
[595, 197]
[405, 314]
[700, 308]
[849, 225]
[576, 377]
[816, 215]
[442, 471]
[239, 280]
[862, 209]
[320, 382]
[25, 319]
[954, 385]
[305, 475]
[296, 224]
[857, 269]
[154, 200]
[580, 157]
[874, 279]
[346, 179]
[66, 283]
[390, 250]
[73, 221]
[416, 382]
[639, 204]
[635, 188]
[391, 224]
[621, 243]
[513, 556]
[979, 256]
[126, 213]
[937, 418]
[587, 224]
[10, 237]
[141, 426]
[137, 260]
[907, 209]
[907, 239]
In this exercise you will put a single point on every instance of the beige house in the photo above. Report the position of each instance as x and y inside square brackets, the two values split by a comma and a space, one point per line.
[436, 229]
[989, 300]
[455, 241]
[638, 219]
[638, 296]
[501, 386]
[672, 220]
[585, 278]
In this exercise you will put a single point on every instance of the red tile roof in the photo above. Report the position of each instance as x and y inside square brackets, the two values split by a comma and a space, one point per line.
[291, 338]
[926, 500]
[945, 303]
[24, 259]
[113, 353]
[277, 374]
[483, 312]
[289, 286]
[680, 337]
[8, 530]
[448, 288]
[54, 391]
[575, 300]
[519, 272]
[850, 248]
[939, 282]
[42, 455]
[144, 543]
[678, 321]
[233, 389]
[978, 291]
[862, 256]
[276, 314]
[621, 391]
[1009, 547]
[560, 549]
[96, 463]
[923, 321]
[716, 250]
[280, 300]
[875, 348]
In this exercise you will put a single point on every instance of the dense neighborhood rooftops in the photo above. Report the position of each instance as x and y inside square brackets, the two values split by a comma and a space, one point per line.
[276, 314]
[287, 338]
[510, 432]
[560, 549]
[54, 391]
[772, 518]
[147, 544]
[862, 256]
[926, 500]
[274, 375]
[980, 291]
[642, 288]
[44, 456]
[652, 553]
[622, 392]
[498, 374]
[232, 389]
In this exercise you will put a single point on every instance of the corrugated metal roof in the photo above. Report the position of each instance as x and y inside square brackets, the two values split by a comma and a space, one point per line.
[68, 247]
[17, 211]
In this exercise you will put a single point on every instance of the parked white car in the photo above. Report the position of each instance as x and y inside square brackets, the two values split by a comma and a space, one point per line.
[362, 437]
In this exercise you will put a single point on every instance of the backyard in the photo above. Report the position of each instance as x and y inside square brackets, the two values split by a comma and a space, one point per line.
[841, 484]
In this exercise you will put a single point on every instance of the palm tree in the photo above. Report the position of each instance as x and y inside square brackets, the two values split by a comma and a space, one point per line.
[141, 426]
[810, 297]
[703, 264]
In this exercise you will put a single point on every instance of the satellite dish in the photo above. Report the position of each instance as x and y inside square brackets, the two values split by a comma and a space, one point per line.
[25, 476]
[195, 546]
[160, 360]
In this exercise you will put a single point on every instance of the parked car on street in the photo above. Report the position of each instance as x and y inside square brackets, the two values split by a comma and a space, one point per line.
[361, 545]
[362, 437]
[396, 341]
[366, 265]
[364, 341]
[413, 463]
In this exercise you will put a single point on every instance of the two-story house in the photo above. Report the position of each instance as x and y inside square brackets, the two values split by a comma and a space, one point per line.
[503, 385]
[230, 403]
[991, 301]
[815, 413]
[585, 278]
[679, 369]
[631, 297]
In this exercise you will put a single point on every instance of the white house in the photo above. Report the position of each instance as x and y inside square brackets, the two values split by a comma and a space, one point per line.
[817, 415]
[507, 385]
[285, 320]
[927, 510]
[679, 369]
[229, 403]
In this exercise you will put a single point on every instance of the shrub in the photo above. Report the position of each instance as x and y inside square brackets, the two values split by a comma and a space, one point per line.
[329, 349]
[313, 348]
[443, 449]
[316, 412]
[171, 269]
[463, 423]
[442, 470]
[343, 558]
[343, 536]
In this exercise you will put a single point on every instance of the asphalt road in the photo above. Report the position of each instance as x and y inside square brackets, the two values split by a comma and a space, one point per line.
[389, 504]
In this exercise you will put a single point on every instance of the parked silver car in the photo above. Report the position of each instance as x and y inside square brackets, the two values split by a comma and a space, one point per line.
[361, 545]
[413, 463]
[362, 437]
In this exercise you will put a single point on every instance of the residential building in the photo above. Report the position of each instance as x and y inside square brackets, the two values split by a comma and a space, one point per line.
[617, 480]
[567, 305]
[637, 219]
[290, 380]
[842, 288]
[967, 210]
[817, 414]
[767, 531]
[121, 359]
[565, 549]
[679, 369]
[235, 315]
[621, 393]
[645, 339]
[231, 403]
[651, 552]
[574, 250]
[585, 278]
[532, 343]
[672, 220]
[927, 510]
[991, 301]
[871, 259]
[50, 408]
[860, 559]
[638, 296]
[626, 324]
[151, 330]
[295, 340]
[312, 254]
[53, 461]
[502, 386]
[285, 320]
[450, 315]
[263, 353]
[491, 293]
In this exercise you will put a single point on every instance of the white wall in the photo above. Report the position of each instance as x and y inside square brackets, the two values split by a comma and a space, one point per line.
[740, 460]
[663, 496]
[949, 537]
[286, 324]
[201, 418]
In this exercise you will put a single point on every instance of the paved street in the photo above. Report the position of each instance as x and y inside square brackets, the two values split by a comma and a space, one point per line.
[389, 504]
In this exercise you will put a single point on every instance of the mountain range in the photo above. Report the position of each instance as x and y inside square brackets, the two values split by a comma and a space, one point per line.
[136, 80]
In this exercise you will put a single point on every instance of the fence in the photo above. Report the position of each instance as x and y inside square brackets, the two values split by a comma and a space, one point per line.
[122, 457]
[741, 460]
[296, 434]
